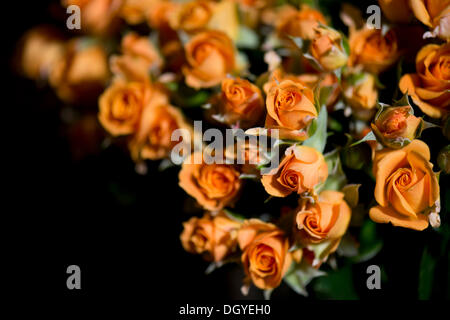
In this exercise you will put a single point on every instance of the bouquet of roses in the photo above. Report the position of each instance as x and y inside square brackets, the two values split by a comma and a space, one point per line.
[271, 109]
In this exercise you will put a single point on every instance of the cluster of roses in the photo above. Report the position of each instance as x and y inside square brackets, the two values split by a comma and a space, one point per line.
[312, 70]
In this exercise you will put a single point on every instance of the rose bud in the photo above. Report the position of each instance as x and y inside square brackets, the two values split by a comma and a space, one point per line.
[240, 102]
[298, 23]
[301, 169]
[395, 127]
[210, 57]
[213, 237]
[214, 186]
[265, 253]
[325, 221]
[407, 189]
[443, 159]
[327, 49]
[361, 94]
[192, 16]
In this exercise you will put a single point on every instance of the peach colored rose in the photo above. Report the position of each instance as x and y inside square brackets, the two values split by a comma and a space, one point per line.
[39, 50]
[214, 186]
[289, 103]
[97, 16]
[121, 105]
[360, 93]
[373, 50]
[406, 186]
[298, 23]
[136, 11]
[82, 74]
[138, 58]
[265, 253]
[210, 57]
[435, 14]
[213, 237]
[192, 16]
[327, 49]
[395, 127]
[159, 15]
[429, 87]
[240, 102]
[153, 137]
[326, 220]
[302, 169]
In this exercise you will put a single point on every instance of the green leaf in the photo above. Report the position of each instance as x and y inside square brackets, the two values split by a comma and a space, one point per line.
[300, 275]
[351, 194]
[337, 285]
[368, 137]
[233, 215]
[336, 177]
[319, 138]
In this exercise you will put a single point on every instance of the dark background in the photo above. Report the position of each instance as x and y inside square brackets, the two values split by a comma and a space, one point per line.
[70, 203]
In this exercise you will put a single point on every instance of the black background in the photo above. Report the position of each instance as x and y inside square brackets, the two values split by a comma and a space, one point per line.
[122, 228]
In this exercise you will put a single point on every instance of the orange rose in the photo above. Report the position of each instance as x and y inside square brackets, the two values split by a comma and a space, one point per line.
[214, 186]
[159, 15]
[265, 256]
[327, 49]
[210, 57]
[213, 237]
[395, 127]
[300, 171]
[39, 50]
[396, 10]
[326, 220]
[429, 86]
[360, 92]
[97, 16]
[240, 101]
[289, 103]
[406, 188]
[153, 138]
[82, 74]
[299, 23]
[138, 58]
[373, 50]
[435, 14]
[136, 11]
[121, 105]
[192, 16]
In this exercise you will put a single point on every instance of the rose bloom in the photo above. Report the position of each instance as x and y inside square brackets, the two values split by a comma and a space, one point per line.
[139, 56]
[240, 102]
[326, 220]
[396, 10]
[121, 105]
[373, 50]
[82, 74]
[210, 57]
[136, 11]
[192, 16]
[435, 14]
[406, 186]
[265, 253]
[152, 139]
[429, 86]
[298, 23]
[327, 49]
[289, 103]
[214, 186]
[361, 95]
[302, 169]
[159, 15]
[396, 126]
[213, 237]
[39, 50]
[97, 16]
